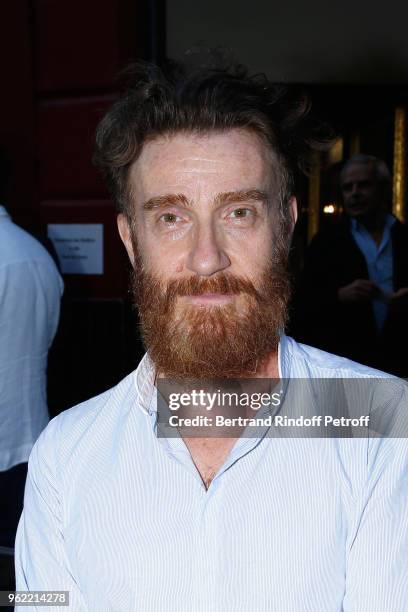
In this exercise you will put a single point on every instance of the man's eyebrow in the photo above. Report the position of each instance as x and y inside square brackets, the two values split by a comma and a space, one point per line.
[243, 195]
[171, 199]
[228, 197]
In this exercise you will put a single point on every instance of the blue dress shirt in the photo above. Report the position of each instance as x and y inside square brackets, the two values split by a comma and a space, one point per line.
[121, 519]
[379, 260]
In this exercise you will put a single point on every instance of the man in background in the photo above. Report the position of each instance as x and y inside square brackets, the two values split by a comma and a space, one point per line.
[30, 293]
[352, 298]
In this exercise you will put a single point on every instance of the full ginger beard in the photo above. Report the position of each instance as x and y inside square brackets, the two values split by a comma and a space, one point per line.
[211, 341]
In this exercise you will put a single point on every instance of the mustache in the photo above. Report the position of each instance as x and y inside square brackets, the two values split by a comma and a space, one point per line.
[223, 284]
[150, 291]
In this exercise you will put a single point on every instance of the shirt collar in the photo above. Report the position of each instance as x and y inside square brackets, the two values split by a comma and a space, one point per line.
[144, 377]
[145, 374]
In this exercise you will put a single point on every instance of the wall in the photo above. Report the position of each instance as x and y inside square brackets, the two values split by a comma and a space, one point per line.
[298, 41]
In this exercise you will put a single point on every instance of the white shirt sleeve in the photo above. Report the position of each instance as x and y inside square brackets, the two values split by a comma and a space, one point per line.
[41, 561]
[377, 560]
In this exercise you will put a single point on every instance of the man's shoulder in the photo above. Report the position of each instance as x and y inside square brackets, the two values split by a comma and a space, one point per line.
[90, 422]
[18, 246]
[311, 362]
[338, 230]
[399, 229]
[332, 239]
[353, 389]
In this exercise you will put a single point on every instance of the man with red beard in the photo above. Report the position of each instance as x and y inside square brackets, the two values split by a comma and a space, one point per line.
[202, 164]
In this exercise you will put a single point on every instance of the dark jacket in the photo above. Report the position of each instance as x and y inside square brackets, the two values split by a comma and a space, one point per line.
[334, 260]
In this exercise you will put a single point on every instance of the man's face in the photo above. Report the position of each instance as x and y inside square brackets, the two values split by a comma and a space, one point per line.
[362, 193]
[207, 247]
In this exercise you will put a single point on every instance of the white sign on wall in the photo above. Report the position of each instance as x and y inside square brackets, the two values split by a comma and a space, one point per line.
[79, 247]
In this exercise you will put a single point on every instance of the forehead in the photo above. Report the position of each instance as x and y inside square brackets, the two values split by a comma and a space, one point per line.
[358, 172]
[195, 164]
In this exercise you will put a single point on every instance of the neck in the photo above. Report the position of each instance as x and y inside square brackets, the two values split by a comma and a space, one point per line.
[269, 368]
[374, 222]
[209, 453]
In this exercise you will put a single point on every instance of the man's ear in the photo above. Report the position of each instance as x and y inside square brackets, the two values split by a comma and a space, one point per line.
[293, 212]
[125, 234]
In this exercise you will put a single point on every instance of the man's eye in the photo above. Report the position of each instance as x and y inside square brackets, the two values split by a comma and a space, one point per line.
[169, 218]
[241, 213]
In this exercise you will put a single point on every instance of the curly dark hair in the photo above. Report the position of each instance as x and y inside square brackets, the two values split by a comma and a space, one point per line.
[178, 98]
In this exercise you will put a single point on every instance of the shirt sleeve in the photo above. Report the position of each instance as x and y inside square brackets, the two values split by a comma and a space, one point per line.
[377, 563]
[41, 560]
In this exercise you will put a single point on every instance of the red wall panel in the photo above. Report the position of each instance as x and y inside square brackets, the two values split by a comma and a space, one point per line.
[66, 140]
[77, 44]
[17, 110]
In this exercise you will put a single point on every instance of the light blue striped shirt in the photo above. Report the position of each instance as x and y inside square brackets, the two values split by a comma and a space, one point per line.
[122, 520]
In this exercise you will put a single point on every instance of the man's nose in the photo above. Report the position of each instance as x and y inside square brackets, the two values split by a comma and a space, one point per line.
[206, 256]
